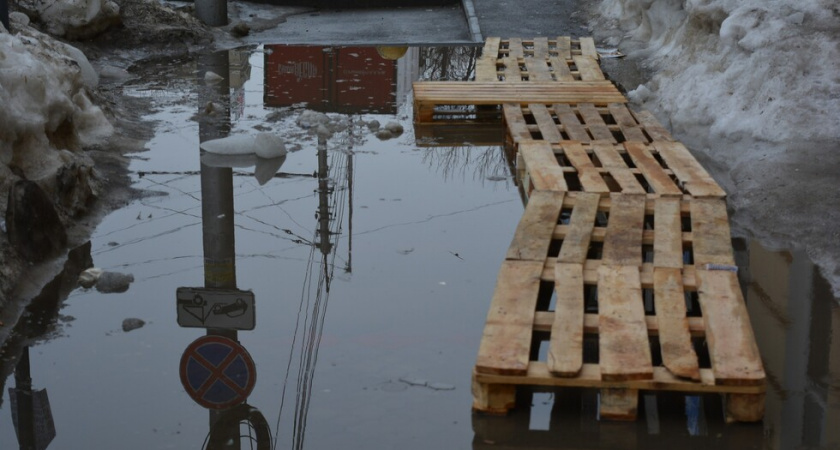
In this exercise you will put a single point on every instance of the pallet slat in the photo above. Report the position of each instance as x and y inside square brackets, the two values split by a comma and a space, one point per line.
[542, 167]
[659, 181]
[732, 348]
[533, 233]
[667, 244]
[576, 241]
[710, 227]
[548, 129]
[565, 353]
[612, 161]
[588, 68]
[624, 353]
[506, 341]
[691, 174]
[678, 354]
[570, 123]
[589, 175]
[623, 241]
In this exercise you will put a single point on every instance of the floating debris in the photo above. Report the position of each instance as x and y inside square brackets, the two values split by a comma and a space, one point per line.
[609, 53]
[132, 324]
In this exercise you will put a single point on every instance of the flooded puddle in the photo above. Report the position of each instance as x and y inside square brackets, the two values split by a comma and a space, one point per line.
[341, 289]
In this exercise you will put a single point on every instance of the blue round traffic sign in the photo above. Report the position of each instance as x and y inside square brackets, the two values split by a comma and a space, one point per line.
[217, 372]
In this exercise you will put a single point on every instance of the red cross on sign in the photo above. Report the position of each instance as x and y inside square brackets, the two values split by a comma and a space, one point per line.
[217, 372]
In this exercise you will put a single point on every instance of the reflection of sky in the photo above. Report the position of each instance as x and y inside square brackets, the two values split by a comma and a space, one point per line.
[408, 308]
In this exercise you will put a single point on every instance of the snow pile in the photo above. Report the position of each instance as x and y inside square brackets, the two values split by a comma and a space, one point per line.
[764, 69]
[78, 19]
[43, 90]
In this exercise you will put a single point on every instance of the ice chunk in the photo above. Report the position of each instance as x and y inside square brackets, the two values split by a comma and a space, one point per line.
[264, 145]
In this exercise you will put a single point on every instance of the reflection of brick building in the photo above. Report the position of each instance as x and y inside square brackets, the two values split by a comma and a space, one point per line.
[331, 79]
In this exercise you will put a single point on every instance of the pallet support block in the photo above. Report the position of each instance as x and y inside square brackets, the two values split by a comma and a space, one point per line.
[493, 398]
[619, 404]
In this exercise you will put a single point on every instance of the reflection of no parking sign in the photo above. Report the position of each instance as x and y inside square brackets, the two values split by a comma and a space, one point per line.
[217, 372]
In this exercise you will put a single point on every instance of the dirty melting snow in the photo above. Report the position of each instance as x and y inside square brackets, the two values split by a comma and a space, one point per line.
[46, 107]
[742, 68]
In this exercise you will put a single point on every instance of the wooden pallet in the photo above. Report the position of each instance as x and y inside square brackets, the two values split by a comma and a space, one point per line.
[560, 70]
[584, 122]
[660, 168]
[640, 277]
[540, 59]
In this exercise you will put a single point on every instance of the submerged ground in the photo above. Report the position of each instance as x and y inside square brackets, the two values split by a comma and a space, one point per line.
[371, 259]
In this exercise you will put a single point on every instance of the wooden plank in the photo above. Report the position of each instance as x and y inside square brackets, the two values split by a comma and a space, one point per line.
[590, 377]
[536, 227]
[491, 48]
[493, 93]
[624, 351]
[589, 175]
[576, 242]
[515, 48]
[623, 241]
[619, 404]
[570, 123]
[599, 233]
[590, 274]
[588, 68]
[511, 72]
[506, 343]
[565, 352]
[691, 175]
[544, 320]
[538, 70]
[515, 122]
[595, 123]
[668, 239]
[657, 178]
[587, 48]
[654, 129]
[614, 163]
[542, 166]
[560, 69]
[674, 337]
[627, 123]
[564, 47]
[548, 129]
[486, 70]
[710, 228]
[541, 48]
[729, 336]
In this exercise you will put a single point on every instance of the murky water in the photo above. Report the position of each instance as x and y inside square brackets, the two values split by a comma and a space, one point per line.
[371, 263]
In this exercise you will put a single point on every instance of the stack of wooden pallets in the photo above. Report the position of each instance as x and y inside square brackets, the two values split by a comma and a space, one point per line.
[621, 269]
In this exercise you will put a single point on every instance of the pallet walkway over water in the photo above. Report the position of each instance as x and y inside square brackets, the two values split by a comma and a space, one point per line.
[621, 274]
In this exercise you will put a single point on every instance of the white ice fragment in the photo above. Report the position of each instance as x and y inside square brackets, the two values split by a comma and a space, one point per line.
[639, 95]
[441, 386]
[212, 77]
[264, 145]
[220, 216]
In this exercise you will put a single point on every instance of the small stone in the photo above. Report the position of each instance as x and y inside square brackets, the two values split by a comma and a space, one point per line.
[241, 29]
[373, 125]
[395, 128]
[132, 324]
[114, 282]
[384, 135]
